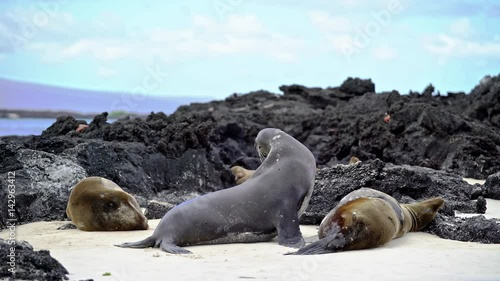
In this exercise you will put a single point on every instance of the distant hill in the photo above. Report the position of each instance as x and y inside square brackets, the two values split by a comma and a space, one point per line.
[38, 97]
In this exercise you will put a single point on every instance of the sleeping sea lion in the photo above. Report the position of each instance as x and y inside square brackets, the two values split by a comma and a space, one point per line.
[367, 218]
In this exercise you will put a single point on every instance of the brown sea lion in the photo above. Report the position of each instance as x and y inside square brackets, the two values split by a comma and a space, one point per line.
[98, 204]
[354, 160]
[241, 174]
[367, 218]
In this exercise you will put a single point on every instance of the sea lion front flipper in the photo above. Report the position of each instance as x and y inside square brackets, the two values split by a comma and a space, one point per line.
[329, 244]
[173, 249]
[289, 234]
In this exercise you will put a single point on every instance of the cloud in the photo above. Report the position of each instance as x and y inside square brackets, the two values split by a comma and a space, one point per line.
[104, 50]
[106, 72]
[461, 27]
[20, 27]
[350, 3]
[384, 53]
[101, 50]
[461, 41]
[237, 35]
[204, 36]
[328, 23]
[353, 34]
[450, 46]
[2, 57]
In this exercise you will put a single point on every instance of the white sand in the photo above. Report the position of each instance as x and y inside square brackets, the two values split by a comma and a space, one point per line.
[474, 181]
[416, 256]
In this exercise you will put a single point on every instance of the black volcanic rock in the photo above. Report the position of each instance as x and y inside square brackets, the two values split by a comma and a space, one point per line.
[484, 101]
[474, 229]
[42, 183]
[424, 130]
[492, 186]
[357, 87]
[144, 171]
[62, 126]
[157, 209]
[30, 264]
[405, 183]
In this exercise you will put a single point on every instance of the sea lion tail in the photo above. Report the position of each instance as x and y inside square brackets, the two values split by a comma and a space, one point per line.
[146, 243]
[330, 244]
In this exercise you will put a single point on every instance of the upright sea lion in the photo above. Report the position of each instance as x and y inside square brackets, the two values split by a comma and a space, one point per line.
[367, 218]
[241, 174]
[269, 201]
[98, 204]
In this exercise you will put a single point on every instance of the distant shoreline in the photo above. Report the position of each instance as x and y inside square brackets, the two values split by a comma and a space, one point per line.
[22, 113]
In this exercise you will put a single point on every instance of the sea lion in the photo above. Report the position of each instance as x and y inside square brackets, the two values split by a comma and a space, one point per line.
[270, 201]
[354, 160]
[367, 218]
[98, 204]
[241, 174]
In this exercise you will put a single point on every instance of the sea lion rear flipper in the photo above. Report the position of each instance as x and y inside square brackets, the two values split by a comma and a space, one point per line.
[173, 249]
[329, 244]
[146, 243]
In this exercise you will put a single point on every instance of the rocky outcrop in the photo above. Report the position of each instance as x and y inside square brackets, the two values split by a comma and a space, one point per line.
[336, 123]
[29, 264]
[491, 187]
[41, 182]
[405, 183]
[157, 209]
[474, 229]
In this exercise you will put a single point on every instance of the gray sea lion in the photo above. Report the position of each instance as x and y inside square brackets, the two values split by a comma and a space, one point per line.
[268, 202]
[367, 218]
[98, 204]
[241, 174]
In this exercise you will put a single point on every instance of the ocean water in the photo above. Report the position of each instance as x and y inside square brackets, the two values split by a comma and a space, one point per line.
[26, 126]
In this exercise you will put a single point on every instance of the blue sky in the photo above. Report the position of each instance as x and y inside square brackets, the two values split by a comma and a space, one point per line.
[218, 47]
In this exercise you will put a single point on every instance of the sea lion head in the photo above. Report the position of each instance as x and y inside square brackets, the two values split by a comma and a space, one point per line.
[264, 141]
[422, 213]
[98, 204]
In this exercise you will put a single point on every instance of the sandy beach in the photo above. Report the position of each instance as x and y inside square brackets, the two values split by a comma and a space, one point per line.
[416, 256]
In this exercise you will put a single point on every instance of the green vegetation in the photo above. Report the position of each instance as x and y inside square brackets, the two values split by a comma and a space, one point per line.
[117, 114]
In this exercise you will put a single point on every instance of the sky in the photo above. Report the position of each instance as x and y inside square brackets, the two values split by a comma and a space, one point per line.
[219, 47]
